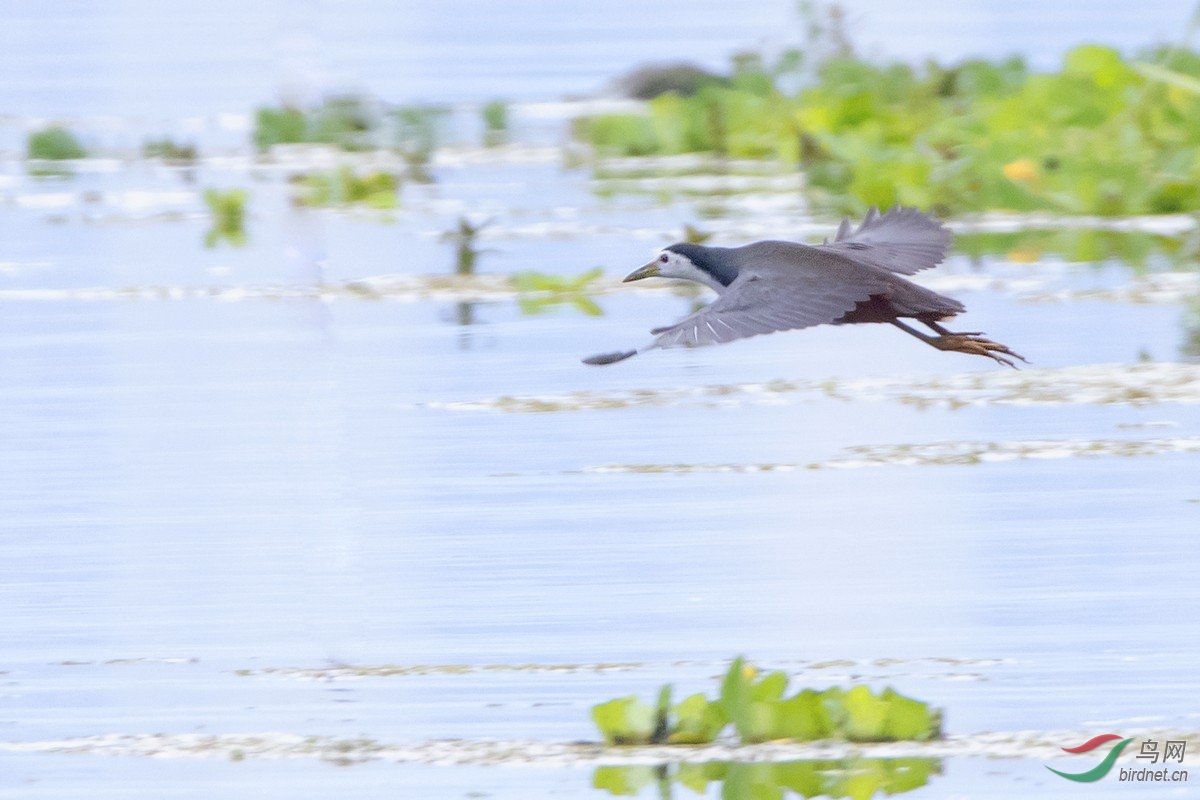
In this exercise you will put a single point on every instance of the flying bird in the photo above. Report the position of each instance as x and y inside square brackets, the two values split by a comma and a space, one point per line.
[858, 277]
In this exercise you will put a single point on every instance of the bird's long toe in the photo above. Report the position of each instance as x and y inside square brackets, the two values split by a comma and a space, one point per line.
[978, 345]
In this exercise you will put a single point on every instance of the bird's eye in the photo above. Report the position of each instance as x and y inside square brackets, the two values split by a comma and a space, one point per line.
[663, 258]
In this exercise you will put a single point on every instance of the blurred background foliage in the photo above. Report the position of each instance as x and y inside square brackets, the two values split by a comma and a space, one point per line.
[1104, 135]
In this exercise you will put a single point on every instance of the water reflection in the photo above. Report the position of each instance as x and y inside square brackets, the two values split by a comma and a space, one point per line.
[732, 780]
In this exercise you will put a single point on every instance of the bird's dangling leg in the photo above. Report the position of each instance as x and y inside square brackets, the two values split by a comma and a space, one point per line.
[974, 343]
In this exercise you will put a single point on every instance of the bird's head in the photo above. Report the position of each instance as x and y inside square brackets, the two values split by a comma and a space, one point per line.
[712, 266]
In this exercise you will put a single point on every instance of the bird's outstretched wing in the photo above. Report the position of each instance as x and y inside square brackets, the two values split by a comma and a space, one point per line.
[901, 240]
[784, 286]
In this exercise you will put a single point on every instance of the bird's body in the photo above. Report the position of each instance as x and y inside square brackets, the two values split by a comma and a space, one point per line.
[859, 277]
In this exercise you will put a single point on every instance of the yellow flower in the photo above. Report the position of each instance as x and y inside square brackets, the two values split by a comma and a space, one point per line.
[1021, 170]
[1023, 255]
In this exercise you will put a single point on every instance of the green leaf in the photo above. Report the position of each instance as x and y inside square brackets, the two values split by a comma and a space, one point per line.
[697, 721]
[770, 688]
[908, 719]
[625, 721]
[805, 718]
[866, 715]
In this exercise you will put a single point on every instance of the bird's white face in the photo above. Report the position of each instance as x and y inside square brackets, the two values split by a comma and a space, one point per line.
[676, 265]
[669, 264]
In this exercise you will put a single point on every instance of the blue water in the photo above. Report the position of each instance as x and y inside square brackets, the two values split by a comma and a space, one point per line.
[167, 62]
[195, 489]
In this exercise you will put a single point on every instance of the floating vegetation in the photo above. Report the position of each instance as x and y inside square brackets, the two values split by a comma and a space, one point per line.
[55, 143]
[169, 150]
[415, 132]
[759, 712]
[859, 778]
[345, 187]
[1114, 136]
[938, 454]
[352, 671]
[1039, 745]
[228, 209]
[48, 148]
[539, 292]
[350, 122]
[1103, 384]
[495, 123]
[943, 668]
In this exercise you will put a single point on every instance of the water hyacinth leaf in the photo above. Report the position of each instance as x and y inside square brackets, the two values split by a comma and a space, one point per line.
[697, 721]
[804, 718]
[752, 705]
[908, 719]
[1169, 76]
[625, 721]
[735, 690]
[1109, 132]
[866, 715]
[760, 712]
[759, 722]
[770, 688]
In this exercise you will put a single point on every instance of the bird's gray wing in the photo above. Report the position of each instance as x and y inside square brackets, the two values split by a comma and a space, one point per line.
[780, 286]
[901, 240]
[759, 304]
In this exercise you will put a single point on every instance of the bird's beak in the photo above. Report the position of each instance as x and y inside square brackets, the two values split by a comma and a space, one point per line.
[648, 271]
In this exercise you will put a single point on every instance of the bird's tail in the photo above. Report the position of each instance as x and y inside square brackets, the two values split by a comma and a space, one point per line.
[610, 358]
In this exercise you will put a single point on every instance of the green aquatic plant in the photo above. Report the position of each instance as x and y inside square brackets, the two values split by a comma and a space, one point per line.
[495, 123]
[345, 187]
[274, 126]
[169, 151]
[55, 143]
[540, 291]
[760, 712]
[228, 210]
[858, 778]
[1103, 135]
[465, 236]
[350, 122]
[415, 134]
